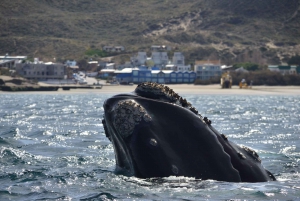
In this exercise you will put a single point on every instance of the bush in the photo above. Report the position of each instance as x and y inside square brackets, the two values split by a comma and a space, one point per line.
[262, 77]
[96, 52]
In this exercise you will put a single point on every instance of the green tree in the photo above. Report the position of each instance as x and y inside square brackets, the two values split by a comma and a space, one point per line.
[82, 64]
[149, 63]
[248, 66]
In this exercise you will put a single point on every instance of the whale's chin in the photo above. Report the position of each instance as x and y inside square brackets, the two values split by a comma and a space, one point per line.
[157, 133]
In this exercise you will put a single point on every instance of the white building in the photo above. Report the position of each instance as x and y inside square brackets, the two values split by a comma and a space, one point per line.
[11, 61]
[110, 66]
[160, 59]
[41, 70]
[178, 67]
[71, 63]
[139, 59]
[178, 59]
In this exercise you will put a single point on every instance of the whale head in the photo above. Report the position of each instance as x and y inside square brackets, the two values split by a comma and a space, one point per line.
[157, 133]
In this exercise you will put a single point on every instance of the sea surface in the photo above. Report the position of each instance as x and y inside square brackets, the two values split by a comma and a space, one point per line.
[53, 147]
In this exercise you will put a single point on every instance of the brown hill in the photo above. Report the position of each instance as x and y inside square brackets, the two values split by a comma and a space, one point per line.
[231, 30]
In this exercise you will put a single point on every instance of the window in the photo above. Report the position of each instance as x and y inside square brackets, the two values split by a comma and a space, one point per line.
[186, 75]
[173, 75]
[135, 73]
[179, 75]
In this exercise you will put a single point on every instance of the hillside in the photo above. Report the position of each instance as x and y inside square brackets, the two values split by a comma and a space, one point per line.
[233, 30]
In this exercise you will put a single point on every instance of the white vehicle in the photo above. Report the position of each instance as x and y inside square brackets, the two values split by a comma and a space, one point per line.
[82, 81]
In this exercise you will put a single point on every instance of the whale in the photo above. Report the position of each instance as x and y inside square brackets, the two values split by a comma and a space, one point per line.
[157, 133]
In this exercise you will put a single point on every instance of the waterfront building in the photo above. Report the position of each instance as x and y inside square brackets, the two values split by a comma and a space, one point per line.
[206, 70]
[11, 61]
[104, 73]
[42, 71]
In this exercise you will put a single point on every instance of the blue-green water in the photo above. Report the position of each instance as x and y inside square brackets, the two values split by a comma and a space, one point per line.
[53, 147]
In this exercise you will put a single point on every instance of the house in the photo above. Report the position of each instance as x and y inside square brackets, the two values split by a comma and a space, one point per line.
[160, 59]
[139, 59]
[92, 65]
[284, 69]
[159, 48]
[71, 63]
[42, 71]
[104, 73]
[178, 59]
[113, 48]
[127, 64]
[11, 61]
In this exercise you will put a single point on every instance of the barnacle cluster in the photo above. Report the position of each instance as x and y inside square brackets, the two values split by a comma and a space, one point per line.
[252, 153]
[159, 91]
[127, 114]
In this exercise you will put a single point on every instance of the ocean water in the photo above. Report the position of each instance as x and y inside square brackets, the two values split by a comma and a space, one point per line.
[53, 147]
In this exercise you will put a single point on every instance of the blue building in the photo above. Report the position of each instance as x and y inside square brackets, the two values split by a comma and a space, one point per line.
[159, 76]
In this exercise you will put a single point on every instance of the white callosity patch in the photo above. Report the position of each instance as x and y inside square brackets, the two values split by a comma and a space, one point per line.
[128, 114]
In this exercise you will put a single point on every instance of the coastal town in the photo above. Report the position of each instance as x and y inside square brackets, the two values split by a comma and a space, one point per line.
[157, 67]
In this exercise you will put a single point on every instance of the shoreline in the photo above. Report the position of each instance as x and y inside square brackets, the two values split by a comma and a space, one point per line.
[214, 89]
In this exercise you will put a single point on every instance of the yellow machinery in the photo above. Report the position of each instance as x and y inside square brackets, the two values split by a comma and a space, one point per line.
[243, 84]
[226, 80]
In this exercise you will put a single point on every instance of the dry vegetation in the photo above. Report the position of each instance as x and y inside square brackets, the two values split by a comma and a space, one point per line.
[232, 30]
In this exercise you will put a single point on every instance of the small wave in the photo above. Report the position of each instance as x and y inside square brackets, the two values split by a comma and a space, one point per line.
[100, 196]
[13, 156]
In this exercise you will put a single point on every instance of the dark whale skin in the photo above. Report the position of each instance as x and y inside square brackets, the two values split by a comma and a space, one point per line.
[157, 133]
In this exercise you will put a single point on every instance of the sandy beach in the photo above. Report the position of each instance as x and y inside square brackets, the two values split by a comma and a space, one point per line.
[182, 89]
